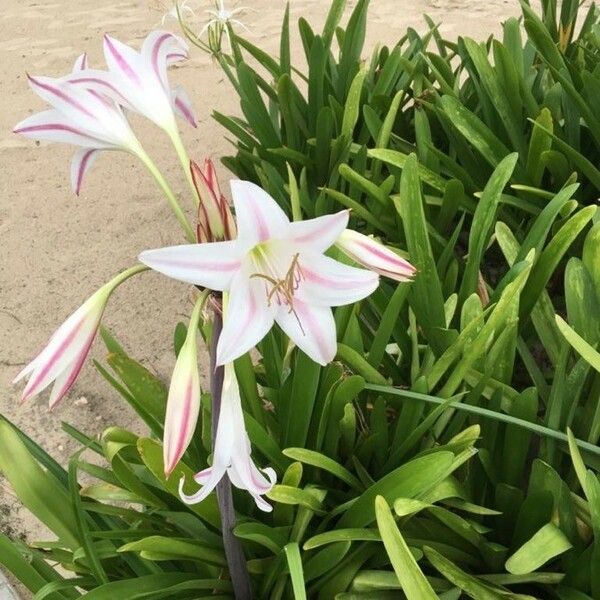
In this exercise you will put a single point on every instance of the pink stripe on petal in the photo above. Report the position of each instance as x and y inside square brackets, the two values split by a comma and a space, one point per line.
[385, 255]
[183, 431]
[60, 94]
[127, 69]
[335, 283]
[185, 111]
[217, 266]
[37, 378]
[311, 324]
[57, 396]
[53, 127]
[176, 56]
[155, 52]
[97, 81]
[82, 167]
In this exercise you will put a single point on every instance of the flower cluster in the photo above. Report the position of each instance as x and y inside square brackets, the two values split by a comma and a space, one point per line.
[267, 269]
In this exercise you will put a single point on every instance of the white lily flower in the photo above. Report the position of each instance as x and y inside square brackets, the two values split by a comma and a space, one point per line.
[375, 256]
[231, 453]
[63, 357]
[275, 271]
[78, 116]
[138, 80]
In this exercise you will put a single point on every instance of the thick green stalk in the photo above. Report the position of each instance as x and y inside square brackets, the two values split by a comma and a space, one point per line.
[184, 159]
[170, 196]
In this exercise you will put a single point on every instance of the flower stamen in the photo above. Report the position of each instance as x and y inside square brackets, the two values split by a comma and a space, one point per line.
[283, 289]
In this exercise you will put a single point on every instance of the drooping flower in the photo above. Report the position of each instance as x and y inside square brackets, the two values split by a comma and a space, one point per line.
[215, 221]
[183, 403]
[375, 256]
[231, 452]
[78, 116]
[275, 271]
[63, 357]
[138, 80]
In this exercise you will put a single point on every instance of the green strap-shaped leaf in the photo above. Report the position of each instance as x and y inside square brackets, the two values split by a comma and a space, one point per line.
[414, 584]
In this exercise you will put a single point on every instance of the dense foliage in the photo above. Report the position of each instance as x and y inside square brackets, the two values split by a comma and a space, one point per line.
[451, 450]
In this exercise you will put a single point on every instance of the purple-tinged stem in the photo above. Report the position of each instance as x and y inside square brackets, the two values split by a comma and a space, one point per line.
[234, 552]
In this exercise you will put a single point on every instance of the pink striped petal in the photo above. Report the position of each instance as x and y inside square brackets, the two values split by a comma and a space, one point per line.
[52, 126]
[375, 256]
[311, 328]
[247, 320]
[209, 265]
[122, 59]
[321, 233]
[81, 63]
[100, 82]
[210, 483]
[80, 164]
[64, 382]
[161, 48]
[183, 106]
[62, 97]
[69, 345]
[258, 216]
[183, 405]
[327, 282]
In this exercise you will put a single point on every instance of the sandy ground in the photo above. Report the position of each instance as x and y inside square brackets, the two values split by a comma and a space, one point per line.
[57, 249]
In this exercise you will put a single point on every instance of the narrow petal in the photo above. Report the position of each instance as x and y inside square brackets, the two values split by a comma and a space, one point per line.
[101, 82]
[52, 126]
[62, 97]
[81, 63]
[375, 256]
[123, 60]
[312, 328]
[210, 484]
[183, 407]
[157, 50]
[64, 382]
[327, 282]
[89, 111]
[183, 106]
[80, 164]
[319, 234]
[208, 265]
[258, 216]
[247, 320]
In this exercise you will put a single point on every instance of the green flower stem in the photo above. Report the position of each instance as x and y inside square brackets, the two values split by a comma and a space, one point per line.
[168, 192]
[121, 277]
[184, 159]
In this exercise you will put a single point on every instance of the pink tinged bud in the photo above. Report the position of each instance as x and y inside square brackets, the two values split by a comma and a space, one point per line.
[183, 404]
[62, 359]
[374, 256]
[215, 220]
[232, 453]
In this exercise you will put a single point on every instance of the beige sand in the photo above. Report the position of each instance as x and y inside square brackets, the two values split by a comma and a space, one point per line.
[57, 249]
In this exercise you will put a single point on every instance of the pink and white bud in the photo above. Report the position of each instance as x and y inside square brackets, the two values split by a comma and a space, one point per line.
[374, 256]
[183, 403]
[232, 452]
[215, 221]
[63, 357]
